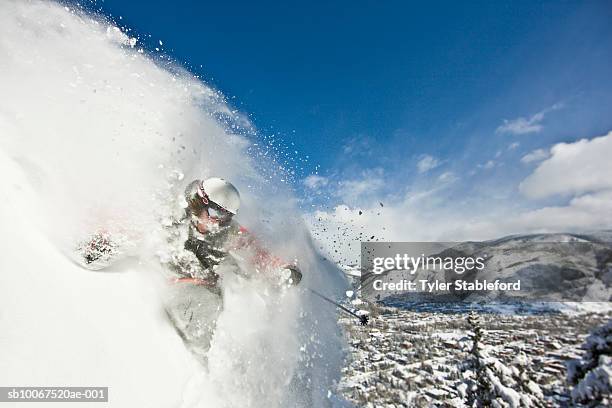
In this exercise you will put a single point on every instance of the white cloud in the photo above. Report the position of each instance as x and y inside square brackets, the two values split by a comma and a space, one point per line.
[358, 190]
[488, 165]
[521, 125]
[513, 146]
[580, 169]
[447, 177]
[315, 181]
[416, 219]
[587, 212]
[524, 125]
[358, 146]
[572, 169]
[534, 156]
[427, 163]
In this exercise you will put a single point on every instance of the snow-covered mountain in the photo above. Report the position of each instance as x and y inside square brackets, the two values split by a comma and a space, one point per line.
[550, 267]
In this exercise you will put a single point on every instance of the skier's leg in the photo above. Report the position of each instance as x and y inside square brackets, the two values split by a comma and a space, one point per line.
[193, 310]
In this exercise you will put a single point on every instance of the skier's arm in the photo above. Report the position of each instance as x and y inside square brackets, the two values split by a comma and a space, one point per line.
[209, 282]
[263, 259]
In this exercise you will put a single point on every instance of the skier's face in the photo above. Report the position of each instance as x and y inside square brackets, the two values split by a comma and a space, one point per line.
[217, 214]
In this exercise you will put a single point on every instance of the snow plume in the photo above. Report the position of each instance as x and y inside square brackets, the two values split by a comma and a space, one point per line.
[93, 131]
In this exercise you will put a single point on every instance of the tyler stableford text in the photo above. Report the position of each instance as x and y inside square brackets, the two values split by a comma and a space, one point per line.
[424, 285]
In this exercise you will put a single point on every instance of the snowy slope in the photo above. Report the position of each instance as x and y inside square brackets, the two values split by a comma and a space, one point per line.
[97, 133]
[63, 326]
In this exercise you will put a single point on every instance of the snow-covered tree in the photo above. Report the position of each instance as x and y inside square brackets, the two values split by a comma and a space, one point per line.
[591, 376]
[478, 385]
[490, 383]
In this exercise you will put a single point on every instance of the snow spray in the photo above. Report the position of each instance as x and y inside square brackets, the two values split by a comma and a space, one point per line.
[97, 131]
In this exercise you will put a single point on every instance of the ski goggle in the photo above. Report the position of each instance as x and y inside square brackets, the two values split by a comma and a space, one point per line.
[217, 212]
[214, 210]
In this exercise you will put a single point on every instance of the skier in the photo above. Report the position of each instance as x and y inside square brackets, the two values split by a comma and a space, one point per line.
[217, 241]
[213, 233]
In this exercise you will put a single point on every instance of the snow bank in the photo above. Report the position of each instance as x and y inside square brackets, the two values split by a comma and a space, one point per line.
[94, 133]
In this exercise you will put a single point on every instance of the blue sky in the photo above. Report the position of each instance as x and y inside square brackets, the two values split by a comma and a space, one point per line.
[368, 90]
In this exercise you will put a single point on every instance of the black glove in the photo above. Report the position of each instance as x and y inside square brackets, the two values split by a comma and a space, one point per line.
[296, 274]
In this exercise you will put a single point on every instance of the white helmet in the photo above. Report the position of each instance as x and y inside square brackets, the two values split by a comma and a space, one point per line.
[222, 193]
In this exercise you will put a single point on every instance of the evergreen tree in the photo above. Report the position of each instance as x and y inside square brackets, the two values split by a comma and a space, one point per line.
[490, 383]
[591, 376]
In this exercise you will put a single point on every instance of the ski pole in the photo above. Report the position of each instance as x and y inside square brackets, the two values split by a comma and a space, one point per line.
[363, 319]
